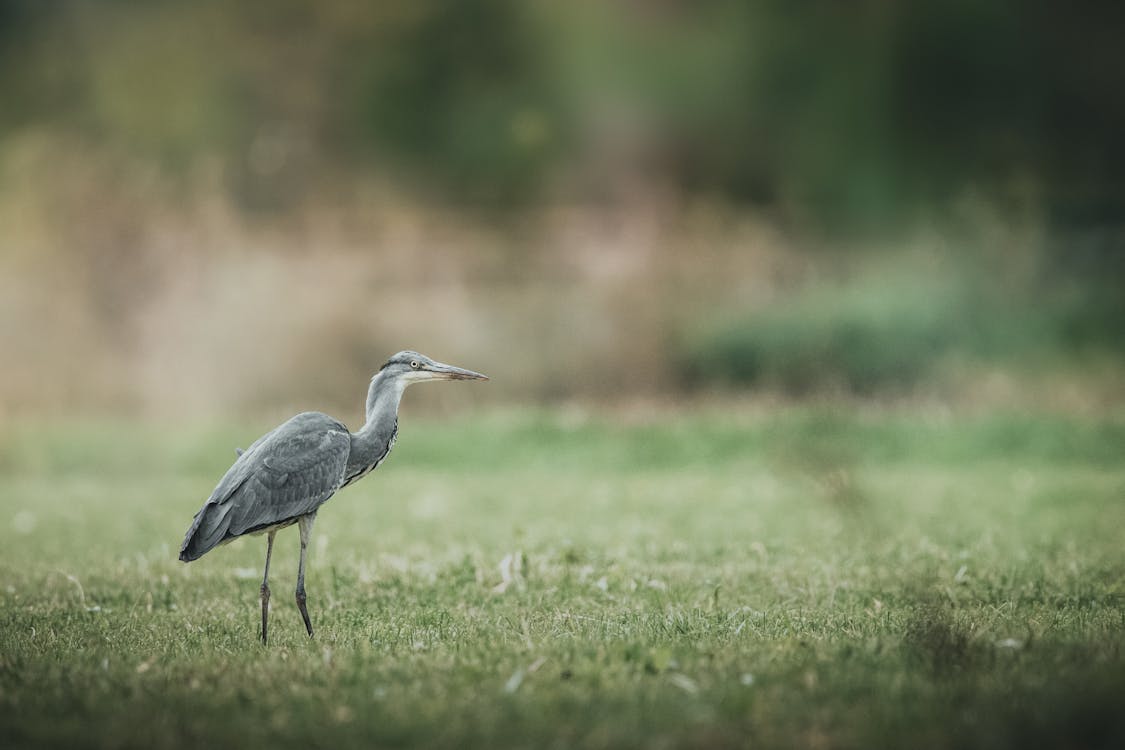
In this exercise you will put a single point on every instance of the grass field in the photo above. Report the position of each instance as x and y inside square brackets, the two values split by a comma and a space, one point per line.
[800, 578]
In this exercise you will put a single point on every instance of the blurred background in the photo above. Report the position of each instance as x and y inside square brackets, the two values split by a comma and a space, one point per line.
[213, 208]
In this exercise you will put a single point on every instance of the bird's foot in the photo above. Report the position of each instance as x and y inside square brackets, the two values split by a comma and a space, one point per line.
[304, 612]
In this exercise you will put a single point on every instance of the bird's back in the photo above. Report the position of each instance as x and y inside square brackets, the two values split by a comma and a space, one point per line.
[287, 473]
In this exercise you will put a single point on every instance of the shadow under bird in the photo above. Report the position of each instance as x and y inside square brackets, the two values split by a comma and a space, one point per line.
[288, 473]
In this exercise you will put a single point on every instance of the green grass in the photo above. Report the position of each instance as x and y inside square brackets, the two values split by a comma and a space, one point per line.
[804, 578]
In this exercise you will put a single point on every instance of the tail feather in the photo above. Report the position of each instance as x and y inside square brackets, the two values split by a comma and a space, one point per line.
[211, 523]
[207, 530]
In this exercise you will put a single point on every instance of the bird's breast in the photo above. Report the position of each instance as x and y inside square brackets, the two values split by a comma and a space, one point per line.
[366, 469]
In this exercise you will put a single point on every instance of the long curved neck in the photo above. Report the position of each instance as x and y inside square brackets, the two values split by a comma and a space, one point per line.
[383, 397]
[374, 440]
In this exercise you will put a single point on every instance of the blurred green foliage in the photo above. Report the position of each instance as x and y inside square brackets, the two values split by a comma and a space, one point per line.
[861, 340]
[585, 162]
[461, 92]
[891, 331]
[844, 114]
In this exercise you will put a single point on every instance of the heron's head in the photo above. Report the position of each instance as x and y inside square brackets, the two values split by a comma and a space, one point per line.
[412, 367]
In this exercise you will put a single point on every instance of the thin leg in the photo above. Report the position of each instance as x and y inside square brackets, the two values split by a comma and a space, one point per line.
[266, 586]
[305, 523]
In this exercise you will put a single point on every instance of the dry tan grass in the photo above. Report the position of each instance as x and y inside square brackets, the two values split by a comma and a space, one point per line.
[126, 290]
[123, 289]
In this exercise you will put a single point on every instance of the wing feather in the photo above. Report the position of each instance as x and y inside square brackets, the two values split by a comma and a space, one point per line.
[284, 475]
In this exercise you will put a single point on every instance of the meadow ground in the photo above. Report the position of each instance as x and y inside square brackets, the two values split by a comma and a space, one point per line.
[836, 577]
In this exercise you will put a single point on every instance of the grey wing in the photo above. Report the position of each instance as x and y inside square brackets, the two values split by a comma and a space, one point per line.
[286, 474]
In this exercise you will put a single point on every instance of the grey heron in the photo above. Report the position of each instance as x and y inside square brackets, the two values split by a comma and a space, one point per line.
[287, 474]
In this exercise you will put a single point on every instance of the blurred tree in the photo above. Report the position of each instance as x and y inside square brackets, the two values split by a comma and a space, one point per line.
[856, 114]
[459, 92]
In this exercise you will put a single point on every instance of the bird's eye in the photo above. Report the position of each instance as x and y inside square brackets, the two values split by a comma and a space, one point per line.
[415, 364]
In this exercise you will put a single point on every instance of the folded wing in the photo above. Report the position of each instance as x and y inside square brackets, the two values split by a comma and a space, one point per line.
[284, 475]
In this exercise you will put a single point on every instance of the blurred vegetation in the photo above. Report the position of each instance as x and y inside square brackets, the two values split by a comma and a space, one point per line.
[857, 112]
[891, 331]
[601, 198]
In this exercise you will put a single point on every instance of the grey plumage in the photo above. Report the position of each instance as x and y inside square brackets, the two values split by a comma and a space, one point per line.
[288, 473]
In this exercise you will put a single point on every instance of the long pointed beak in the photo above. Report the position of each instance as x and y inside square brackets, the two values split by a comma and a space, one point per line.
[449, 372]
